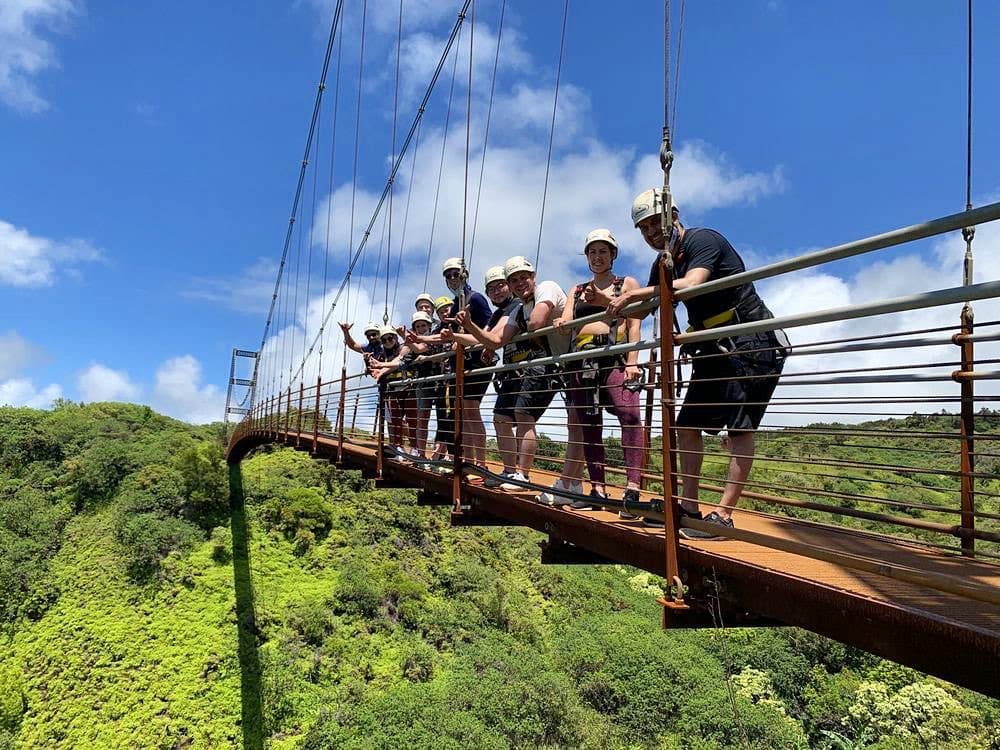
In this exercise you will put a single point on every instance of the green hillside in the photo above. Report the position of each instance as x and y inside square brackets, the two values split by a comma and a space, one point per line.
[368, 622]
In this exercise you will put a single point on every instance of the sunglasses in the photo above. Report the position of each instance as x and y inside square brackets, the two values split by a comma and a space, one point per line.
[372, 335]
[452, 274]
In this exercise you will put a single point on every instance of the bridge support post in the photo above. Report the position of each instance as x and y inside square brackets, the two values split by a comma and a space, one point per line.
[298, 417]
[288, 410]
[354, 414]
[340, 415]
[967, 439]
[319, 387]
[674, 598]
[456, 480]
[380, 437]
[643, 480]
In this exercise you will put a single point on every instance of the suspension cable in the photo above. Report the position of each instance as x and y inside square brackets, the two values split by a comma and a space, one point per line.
[486, 135]
[552, 130]
[406, 143]
[677, 73]
[468, 137]
[334, 26]
[406, 219]
[444, 143]
[395, 109]
[968, 233]
[329, 199]
[357, 142]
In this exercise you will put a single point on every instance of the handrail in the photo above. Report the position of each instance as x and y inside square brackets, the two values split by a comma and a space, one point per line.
[950, 223]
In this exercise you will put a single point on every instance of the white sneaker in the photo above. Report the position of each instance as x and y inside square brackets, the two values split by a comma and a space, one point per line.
[517, 477]
[550, 498]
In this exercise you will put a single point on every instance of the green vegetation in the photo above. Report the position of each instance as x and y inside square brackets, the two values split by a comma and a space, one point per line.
[138, 611]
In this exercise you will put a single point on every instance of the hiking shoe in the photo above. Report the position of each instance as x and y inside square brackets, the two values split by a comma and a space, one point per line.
[631, 496]
[713, 518]
[510, 486]
[551, 498]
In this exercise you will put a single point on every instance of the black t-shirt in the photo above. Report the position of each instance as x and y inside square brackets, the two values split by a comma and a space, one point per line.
[706, 248]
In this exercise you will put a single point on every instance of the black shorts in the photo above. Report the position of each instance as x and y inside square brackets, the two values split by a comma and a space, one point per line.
[528, 391]
[732, 392]
[476, 384]
[508, 388]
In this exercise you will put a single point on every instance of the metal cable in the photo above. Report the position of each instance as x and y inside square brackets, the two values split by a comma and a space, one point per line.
[444, 143]
[486, 135]
[552, 131]
[302, 173]
[392, 176]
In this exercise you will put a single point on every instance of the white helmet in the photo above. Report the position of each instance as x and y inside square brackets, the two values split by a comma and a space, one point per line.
[421, 315]
[387, 331]
[455, 264]
[650, 203]
[515, 264]
[424, 297]
[494, 273]
[373, 327]
[601, 235]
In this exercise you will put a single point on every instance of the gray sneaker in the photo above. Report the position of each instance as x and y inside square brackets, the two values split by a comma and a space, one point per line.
[712, 518]
[494, 482]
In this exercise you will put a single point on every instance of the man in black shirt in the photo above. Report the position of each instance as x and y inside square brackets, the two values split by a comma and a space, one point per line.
[732, 378]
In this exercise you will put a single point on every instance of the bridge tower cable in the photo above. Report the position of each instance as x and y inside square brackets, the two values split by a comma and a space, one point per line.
[486, 133]
[334, 27]
[402, 151]
[552, 131]
[444, 144]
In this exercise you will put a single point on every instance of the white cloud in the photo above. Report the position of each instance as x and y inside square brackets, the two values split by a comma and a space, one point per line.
[179, 392]
[18, 354]
[24, 53]
[250, 292]
[22, 392]
[27, 260]
[703, 178]
[100, 383]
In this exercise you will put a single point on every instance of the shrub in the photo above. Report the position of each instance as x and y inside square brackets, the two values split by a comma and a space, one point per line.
[222, 544]
[299, 509]
[148, 538]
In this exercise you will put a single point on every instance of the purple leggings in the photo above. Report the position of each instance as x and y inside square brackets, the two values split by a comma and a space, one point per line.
[623, 404]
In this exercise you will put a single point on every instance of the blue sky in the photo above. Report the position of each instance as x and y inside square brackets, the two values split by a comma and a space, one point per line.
[150, 152]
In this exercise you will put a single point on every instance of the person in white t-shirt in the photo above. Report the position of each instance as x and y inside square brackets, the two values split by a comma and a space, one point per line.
[531, 388]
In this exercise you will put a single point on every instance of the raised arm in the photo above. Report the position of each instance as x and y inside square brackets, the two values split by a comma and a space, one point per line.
[349, 339]
[496, 338]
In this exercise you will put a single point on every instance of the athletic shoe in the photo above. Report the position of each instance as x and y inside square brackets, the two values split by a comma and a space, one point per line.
[551, 498]
[631, 496]
[712, 518]
[510, 486]
[695, 514]
[583, 504]
[494, 482]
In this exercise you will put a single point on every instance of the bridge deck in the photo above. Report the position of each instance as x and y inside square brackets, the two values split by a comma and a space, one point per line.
[933, 611]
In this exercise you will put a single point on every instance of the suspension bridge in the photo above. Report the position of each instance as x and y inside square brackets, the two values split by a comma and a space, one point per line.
[899, 556]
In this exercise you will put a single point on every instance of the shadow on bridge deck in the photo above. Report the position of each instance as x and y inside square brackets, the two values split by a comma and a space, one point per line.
[908, 603]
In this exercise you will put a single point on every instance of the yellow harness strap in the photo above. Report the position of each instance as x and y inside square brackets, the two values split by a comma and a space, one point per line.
[724, 317]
